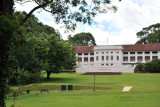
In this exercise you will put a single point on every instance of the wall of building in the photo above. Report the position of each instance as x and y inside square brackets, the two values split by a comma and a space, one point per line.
[96, 61]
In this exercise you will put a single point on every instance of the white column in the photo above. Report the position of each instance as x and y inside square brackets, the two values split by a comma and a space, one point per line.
[143, 57]
[88, 57]
[136, 56]
[150, 55]
[82, 57]
[129, 57]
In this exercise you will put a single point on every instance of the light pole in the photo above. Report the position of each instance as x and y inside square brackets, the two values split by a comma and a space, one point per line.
[94, 82]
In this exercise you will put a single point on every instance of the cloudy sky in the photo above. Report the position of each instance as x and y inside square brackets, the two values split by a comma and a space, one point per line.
[120, 27]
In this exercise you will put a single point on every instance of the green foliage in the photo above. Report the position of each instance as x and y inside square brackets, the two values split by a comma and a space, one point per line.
[8, 28]
[57, 54]
[82, 39]
[152, 66]
[24, 77]
[139, 67]
[149, 34]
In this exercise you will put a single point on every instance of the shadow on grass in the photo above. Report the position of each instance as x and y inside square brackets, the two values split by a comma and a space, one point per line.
[58, 80]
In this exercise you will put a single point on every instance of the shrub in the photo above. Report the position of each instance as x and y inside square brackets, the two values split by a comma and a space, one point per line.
[24, 77]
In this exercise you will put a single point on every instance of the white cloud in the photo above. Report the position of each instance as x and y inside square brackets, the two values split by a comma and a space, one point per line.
[120, 27]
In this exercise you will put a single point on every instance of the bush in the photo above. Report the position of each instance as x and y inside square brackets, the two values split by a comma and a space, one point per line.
[139, 67]
[152, 67]
[24, 77]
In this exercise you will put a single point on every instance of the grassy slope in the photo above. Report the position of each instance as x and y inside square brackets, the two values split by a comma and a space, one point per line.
[145, 92]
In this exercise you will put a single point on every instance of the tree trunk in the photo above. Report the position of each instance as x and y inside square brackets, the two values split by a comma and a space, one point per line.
[4, 64]
[48, 74]
[20, 89]
[6, 8]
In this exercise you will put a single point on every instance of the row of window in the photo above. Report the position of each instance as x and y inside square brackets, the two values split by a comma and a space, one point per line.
[86, 53]
[97, 58]
[106, 52]
[106, 58]
[154, 52]
[139, 58]
[126, 53]
[107, 64]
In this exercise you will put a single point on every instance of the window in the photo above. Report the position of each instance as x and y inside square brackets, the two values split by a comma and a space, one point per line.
[97, 58]
[132, 52]
[91, 53]
[111, 52]
[96, 52]
[125, 52]
[85, 59]
[102, 64]
[147, 52]
[106, 52]
[102, 58]
[102, 52]
[107, 58]
[111, 58]
[107, 64]
[154, 57]
[117, 52]
[79, 59]
[132, 58]
[125, 58]
[155, 52]
[147, 58]
[92, 59]
[139, 52]
[111, 64]
[85, 53]
[79, 53]
[117, 58]
[140, 58]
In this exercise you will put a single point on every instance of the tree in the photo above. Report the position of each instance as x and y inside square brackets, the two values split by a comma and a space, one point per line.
[149, 34]
[56, 54]
[82, 39]
[61, 10]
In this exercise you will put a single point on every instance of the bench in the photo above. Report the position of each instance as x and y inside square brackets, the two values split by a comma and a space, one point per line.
[44, 90]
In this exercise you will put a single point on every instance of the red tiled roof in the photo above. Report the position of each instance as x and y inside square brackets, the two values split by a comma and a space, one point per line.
[131, 47]
[142, 47]
[83, 49]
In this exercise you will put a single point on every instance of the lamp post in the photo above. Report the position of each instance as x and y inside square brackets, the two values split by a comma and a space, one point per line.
[94, 82]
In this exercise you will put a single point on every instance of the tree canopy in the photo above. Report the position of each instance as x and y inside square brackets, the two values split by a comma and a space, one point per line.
[149, 34]
[82, 39]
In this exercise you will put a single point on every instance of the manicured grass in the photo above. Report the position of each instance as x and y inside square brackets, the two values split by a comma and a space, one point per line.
[145, 91]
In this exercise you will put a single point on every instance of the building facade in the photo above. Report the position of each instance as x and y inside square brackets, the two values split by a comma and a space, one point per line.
[114, 58]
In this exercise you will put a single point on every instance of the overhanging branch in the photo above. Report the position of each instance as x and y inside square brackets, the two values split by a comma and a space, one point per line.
[29, 14]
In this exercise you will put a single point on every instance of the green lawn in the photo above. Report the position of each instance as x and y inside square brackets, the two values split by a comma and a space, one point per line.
[145, 91]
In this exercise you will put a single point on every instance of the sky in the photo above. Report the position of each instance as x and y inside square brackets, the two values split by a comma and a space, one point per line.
[110, 28]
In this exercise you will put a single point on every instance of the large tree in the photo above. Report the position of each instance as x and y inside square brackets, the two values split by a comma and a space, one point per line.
[63, 11]
[149, 34]
[82, 39]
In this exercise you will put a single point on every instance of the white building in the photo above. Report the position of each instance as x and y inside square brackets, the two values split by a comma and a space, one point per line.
[114, 58]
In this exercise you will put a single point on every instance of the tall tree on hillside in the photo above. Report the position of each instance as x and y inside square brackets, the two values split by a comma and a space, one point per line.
[149, 34]
[63, 11]
[82, 39]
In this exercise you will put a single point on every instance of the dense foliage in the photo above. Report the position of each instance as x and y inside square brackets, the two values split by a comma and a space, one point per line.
[82, 39]
[152, 66]
[149, 34]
